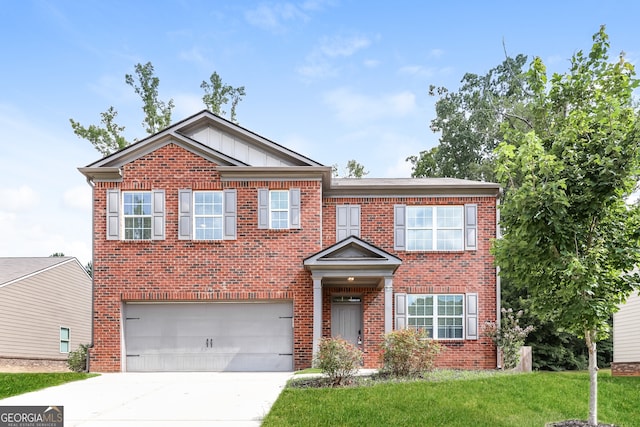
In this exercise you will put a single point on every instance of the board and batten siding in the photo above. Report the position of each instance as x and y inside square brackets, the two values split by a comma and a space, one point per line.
[626, 324]
[33, 309]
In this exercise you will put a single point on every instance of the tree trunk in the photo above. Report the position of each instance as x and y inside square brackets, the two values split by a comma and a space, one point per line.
[590, 337]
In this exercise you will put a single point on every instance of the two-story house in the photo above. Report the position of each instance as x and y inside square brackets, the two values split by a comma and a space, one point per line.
[217, 249]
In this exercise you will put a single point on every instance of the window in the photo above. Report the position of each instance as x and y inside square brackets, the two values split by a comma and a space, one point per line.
[442, 316]
[135, 215]
[136, 209]
[64, 340]
[435, 228]
[279, 209]
[207, 215]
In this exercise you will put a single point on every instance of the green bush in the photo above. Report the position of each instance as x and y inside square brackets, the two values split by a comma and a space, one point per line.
[338, 359]
[408, 353]
[508, 337]
[77, 360]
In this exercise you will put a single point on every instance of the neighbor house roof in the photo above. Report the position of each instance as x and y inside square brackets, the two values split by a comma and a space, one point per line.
[12, 269]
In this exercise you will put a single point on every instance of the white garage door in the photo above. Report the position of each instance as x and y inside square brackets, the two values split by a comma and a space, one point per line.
[209, 337]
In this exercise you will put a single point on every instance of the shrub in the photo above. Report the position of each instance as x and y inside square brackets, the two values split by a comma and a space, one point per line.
[338, 359]
[509, 337]
[408, 353]
[77, 360]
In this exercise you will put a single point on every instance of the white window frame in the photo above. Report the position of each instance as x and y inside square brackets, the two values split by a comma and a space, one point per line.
[138, 233]
[218, 232]
[65, 341]
[273, 210]
[438, 305]
[434, 228]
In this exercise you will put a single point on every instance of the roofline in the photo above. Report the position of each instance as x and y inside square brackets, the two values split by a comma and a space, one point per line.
[64, 260]
[390, 189]
[246, 173]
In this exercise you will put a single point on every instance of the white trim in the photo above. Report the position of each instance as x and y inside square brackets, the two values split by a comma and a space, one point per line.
[221, 216]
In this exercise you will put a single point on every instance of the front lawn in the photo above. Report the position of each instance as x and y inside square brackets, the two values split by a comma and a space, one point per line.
[501, 400]
[13, 384]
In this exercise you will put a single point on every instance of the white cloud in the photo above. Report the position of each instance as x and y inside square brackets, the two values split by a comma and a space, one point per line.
[78, 197]
[187, 104]
[371, 63]
[273, 17]
[436, 53]
[321, 62]
[351, 107]
[18, 199]
[192, 55]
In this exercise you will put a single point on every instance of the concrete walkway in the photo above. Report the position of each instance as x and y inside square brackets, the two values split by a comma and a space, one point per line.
[163, 399]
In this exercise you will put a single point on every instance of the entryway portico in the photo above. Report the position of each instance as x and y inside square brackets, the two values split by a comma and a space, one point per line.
[351, 263]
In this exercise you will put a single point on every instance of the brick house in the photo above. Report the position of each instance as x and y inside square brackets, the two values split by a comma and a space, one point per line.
[217, 249]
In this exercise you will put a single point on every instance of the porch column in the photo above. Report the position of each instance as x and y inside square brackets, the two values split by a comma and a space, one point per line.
[388, 304]
[317, 313]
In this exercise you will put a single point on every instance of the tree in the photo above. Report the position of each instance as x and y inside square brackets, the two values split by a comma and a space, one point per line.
[470, 122]
[352, 170]
[108, 138]
[570, 237]
[157, 113]
[89, 268]
[218, 94]
[56, 254]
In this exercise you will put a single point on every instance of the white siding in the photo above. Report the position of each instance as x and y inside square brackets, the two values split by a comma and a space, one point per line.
[235, 147]
[626, 332]
[33, 309]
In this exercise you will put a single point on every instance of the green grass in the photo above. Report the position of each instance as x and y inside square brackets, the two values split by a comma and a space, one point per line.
[13, 384]
[501, 400]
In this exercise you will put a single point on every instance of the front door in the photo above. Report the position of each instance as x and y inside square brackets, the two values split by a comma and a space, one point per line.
[346, 319]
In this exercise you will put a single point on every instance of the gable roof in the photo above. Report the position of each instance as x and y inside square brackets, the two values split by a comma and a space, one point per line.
[18, 268]
[358, 260]
[209, 136]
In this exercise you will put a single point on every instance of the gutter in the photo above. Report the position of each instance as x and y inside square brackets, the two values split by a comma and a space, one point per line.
[498, 283]
[93, 271]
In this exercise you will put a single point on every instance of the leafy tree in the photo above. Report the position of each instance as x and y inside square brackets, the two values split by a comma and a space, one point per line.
[89, 268]
[471, 122]
[570, 237]
[157, 113]
[218, 94]
[352, 170]
[56, 254]
[105, 139]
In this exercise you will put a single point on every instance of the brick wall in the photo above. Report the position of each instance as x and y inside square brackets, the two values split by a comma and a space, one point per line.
[268, 264]
[259, 265]
[428, 272]
[625, 369]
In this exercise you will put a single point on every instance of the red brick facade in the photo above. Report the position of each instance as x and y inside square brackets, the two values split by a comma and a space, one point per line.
[263, 264]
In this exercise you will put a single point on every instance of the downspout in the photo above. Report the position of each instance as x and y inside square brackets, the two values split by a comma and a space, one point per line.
[498, 282]
[93, 269]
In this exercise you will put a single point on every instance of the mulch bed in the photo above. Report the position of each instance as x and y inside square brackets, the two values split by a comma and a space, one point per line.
[576, 423]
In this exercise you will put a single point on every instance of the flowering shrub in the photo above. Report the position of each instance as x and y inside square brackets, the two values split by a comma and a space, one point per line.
[408, 353]
[338, 359]
[77, 360]
[509, 337]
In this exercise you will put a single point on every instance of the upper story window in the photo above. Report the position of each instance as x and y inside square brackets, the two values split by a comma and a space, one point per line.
[278, 209]
[442, 316]
[136, 211]
[207, 215]
[135, 215]
[435, 228]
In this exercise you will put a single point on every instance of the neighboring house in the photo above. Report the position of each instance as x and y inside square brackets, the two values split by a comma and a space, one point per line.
[216, 249]
[45, 311]
[626, 338]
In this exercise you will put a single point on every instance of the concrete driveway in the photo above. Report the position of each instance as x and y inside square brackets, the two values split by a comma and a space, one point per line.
[163, 399]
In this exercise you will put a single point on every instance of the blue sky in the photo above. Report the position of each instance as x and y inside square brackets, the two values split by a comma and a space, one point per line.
[334, 80]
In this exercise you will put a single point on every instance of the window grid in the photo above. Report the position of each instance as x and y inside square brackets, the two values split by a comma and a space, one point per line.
[279, 209]
[137, 215]
[435, 228]
[64, 340]
[445, 311]
[207, 215]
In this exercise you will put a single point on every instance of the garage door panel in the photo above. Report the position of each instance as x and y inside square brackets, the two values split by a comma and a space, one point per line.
[209, 337]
